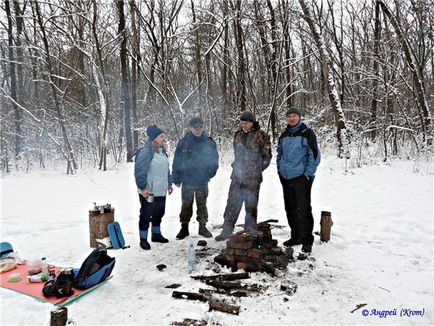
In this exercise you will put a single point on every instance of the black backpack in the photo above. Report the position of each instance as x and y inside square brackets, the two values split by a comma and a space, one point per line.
[95, 269]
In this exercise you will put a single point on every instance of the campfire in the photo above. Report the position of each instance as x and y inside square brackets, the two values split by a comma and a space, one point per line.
[255, 250]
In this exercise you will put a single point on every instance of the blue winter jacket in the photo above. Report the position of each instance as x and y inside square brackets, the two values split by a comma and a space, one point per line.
[143, 158]
[297, 152]
[196, 160]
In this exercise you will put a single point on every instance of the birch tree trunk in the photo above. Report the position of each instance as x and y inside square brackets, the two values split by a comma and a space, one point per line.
[340, 121]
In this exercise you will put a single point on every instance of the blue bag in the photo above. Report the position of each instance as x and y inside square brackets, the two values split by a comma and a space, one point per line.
[116, 236]
[95, 269]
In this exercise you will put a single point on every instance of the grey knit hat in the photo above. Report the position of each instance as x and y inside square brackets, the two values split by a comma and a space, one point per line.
[247, 116]
[293, 110]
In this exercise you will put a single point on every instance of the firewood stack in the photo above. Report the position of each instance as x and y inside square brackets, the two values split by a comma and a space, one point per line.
[254, 250]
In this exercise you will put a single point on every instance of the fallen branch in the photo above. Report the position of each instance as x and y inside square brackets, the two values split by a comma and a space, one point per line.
[360, 305]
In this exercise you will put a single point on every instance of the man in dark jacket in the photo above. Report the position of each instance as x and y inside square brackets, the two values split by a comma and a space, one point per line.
[298, 157]
[252, 149]
[195, 163]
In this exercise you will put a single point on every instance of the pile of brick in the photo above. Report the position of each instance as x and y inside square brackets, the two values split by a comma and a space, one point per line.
[254, 250]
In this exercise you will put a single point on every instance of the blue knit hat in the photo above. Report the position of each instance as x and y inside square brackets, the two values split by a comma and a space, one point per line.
[153, 132]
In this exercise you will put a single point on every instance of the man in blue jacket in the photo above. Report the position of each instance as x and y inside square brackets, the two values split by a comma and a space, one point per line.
[195, 163]
[298, 157]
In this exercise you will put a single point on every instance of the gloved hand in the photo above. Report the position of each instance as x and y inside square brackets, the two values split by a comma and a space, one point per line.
[311, 178]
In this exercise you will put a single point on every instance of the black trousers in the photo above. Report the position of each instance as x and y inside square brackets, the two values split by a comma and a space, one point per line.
[151, 212]
[296, 193]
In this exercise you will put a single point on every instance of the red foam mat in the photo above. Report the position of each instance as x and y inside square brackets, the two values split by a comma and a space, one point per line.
[35, 289]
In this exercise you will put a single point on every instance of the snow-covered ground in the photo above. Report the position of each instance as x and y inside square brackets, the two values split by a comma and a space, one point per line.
[380, 253]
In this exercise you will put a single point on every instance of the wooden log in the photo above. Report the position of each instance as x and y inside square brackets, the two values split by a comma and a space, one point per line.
[222, 277]
[223, 306]
[189, 296]
[98, 225]
[224, 284]
[326, 226]
[238, 294]
[267, 221]
[189, 322]
[268, 267]
[59, 317]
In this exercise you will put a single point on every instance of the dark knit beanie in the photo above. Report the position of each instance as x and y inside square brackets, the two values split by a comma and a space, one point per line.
[247, 116]
[153, 132]
[293, 110]
[196, 122]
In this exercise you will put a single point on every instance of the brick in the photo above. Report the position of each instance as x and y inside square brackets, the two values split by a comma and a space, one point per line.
[248, 267]
[241, 252]
[244, 237]
[255, 253]
[240, 245]
[247, 260]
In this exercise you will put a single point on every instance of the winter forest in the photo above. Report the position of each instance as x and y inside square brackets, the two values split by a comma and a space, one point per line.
[82, 79]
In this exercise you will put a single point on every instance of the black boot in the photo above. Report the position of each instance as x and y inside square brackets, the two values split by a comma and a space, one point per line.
[184, 232]
[292, 242]
[157, 237]
[145, 244]
[306, 248]
[203, 231]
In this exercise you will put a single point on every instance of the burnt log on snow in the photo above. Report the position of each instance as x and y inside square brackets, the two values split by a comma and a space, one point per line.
[189, 296]
[221, 277]
[238, 294]
[224, 284]
[223, 306]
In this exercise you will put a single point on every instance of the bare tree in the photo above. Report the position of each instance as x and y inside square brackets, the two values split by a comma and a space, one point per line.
[340, 121]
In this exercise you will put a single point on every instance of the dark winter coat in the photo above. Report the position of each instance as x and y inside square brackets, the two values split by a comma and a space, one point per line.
[143, 158]
[297, 152]
[252, 156]
[196, 160]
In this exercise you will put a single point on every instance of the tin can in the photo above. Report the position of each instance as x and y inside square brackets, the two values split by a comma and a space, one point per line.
[66, 271]
[150, 198]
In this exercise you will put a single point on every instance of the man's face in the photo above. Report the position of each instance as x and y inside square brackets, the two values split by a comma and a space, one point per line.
[293, 119]
[197, 130]
[246, 125]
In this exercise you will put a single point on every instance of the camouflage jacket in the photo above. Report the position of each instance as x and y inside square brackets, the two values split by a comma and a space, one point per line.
[252, 156]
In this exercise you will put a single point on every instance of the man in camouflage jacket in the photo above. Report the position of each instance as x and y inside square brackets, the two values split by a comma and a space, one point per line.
[252, 149]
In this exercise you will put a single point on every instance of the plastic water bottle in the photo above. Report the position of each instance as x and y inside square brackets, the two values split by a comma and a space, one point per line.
[38, 278]
[44, 265]
[191, 257]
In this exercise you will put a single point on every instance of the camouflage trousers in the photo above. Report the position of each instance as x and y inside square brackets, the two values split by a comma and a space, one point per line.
[188, 194]
[239, 194]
